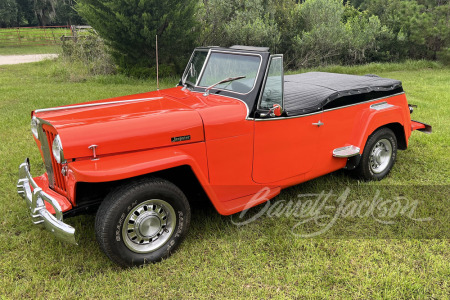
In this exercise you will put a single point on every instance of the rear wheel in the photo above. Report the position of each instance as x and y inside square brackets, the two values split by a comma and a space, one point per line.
[142, 222]
[379, 155]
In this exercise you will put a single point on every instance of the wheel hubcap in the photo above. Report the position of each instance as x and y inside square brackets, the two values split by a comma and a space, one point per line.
[148, 226]
[380, 156]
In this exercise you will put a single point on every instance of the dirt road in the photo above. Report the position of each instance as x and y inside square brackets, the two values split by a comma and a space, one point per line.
[20, 59]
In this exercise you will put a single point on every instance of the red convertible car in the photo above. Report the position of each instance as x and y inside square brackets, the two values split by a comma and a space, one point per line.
[233, 126]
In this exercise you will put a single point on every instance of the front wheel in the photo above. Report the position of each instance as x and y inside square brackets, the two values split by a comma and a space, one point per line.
[142, 222]
[379, 155]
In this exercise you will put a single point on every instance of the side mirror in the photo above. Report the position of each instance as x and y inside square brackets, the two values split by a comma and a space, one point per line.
[275, 111]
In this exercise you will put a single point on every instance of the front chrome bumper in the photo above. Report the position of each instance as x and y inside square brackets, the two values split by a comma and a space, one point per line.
[39, 214]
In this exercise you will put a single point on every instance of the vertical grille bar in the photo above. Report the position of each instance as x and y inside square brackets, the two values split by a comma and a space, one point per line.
[58, 183]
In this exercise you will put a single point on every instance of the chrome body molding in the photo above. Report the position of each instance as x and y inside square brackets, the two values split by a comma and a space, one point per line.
[36, 199]
[95, 104]
[381, 105]
[347, 151]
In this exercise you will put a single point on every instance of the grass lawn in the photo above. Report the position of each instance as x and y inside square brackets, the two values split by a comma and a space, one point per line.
[356, 258]
[21, 50]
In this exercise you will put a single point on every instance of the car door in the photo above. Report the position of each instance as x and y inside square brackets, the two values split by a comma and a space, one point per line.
[284, 146]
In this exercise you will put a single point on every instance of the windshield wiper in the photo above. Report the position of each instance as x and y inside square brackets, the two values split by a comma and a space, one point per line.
[229, 79]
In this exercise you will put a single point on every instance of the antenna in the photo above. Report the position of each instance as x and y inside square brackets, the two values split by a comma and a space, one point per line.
[157, 70]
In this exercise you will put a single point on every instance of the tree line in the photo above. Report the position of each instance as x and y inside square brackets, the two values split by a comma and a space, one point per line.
[307, 32]
[15, 13]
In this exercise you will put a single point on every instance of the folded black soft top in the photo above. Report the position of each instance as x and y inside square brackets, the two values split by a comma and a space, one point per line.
[309, 92]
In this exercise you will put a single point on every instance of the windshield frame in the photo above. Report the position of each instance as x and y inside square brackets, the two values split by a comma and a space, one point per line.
[212, 50]
[186, 70]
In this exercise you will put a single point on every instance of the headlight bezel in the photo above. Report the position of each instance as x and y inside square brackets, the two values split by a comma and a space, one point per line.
[57, 149]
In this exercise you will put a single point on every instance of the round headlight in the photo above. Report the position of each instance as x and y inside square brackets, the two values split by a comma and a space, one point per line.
[57, 149]
[34, 126]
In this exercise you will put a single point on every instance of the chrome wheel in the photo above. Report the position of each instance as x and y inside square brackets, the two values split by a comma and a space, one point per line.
[148, 226]
[380, 156]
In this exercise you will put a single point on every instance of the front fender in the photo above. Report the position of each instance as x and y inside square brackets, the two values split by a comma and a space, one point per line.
[132, 164]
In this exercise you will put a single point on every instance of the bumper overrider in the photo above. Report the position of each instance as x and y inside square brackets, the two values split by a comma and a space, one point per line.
[36, 203]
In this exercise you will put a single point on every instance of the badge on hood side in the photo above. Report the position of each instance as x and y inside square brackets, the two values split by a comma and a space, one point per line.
[181, 138]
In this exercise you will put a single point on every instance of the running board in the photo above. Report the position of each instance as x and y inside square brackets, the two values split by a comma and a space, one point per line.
[347, 151]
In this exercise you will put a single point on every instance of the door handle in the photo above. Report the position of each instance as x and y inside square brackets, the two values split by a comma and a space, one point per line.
[318, 123]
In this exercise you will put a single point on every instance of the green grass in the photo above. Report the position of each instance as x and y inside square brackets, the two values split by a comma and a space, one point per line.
[21, 50]
[357, 258]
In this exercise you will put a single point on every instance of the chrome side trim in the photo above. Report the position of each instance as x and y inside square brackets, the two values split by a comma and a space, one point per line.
[95, 104]
[36, 203]
[381, 105]
[330, 109]
[347, 151]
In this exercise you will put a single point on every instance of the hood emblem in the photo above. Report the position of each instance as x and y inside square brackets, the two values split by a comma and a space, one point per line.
[181, 138]
[94, 154]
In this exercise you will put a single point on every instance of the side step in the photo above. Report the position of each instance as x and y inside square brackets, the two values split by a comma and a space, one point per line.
[347, 151]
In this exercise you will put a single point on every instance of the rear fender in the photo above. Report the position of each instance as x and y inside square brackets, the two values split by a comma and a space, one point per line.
[374, 119]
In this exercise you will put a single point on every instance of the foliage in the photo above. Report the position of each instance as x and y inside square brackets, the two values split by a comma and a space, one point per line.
[421, 28]
[66, 14]
[8, 12]
[89, 54]
[38, 13]
[323, 34]
[315, 32]
[307, 32]
[130, 27]
[333, 33]
[45, 11]
[248, 22]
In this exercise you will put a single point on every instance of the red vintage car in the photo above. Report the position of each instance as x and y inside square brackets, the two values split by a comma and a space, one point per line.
[233, 126]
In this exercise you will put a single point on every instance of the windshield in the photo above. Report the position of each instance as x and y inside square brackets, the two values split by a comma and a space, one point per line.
[224, 65]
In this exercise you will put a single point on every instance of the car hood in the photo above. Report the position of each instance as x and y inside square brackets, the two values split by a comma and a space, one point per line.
[124, 124]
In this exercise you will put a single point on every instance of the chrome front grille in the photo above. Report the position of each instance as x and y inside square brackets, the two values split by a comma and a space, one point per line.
[55, 177]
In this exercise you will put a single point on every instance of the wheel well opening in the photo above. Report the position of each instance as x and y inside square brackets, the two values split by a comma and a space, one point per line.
[89, 195]
[399, 132]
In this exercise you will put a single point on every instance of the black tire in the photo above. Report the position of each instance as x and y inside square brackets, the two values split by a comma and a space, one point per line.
[141, 222]
[377, 153]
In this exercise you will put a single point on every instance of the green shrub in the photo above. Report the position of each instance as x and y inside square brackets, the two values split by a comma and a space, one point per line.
[130, 27]
[444, 56]
[90, 52]
[237, 22]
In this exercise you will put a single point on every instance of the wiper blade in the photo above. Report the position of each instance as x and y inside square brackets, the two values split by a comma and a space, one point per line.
[229, 79]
